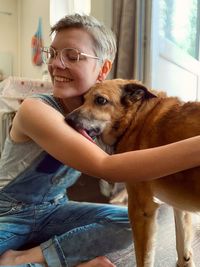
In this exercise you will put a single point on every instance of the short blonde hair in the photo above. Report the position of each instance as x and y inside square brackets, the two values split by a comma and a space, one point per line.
[103, 38]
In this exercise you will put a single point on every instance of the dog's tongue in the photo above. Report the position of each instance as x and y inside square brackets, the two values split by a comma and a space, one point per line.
[86, 135]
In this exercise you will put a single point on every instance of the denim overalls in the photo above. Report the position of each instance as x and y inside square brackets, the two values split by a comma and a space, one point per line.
[35, 210]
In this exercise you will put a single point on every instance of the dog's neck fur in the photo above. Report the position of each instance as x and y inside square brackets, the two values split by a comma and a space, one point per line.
[139, 122]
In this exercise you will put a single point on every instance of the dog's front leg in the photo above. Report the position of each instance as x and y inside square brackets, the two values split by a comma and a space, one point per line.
[143, 213]
[183, 224]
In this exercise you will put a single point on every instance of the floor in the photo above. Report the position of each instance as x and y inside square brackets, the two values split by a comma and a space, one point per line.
[165, 255]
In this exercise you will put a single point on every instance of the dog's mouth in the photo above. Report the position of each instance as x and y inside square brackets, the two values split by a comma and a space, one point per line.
[89, 134]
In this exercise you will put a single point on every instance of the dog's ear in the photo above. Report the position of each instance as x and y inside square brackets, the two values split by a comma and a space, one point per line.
[133, 92]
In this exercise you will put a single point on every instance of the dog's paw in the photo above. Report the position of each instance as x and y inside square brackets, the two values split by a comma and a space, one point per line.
[187, 260]
[188, 263]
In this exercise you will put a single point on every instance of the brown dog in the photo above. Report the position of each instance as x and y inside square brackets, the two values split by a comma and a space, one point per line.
[126, 116]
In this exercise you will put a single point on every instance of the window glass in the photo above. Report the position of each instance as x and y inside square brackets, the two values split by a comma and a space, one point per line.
[61, 8]
[179, 22]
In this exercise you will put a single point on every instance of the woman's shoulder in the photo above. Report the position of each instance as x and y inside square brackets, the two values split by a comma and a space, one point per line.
[50, 100]
[33, 115]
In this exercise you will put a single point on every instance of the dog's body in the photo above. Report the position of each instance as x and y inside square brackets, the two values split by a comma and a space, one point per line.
[126, 116]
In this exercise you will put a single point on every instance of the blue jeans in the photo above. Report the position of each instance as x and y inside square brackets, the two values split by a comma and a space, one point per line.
[34, 210]
[80, 231]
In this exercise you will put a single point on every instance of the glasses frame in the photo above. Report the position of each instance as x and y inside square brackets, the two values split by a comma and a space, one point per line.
[57, 52]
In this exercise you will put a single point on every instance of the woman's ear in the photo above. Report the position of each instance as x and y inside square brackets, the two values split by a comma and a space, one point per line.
[104, 71]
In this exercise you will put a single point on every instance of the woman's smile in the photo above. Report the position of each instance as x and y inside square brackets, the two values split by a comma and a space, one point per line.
[62, 79]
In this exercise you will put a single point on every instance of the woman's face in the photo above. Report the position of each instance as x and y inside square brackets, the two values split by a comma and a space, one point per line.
[74, 79]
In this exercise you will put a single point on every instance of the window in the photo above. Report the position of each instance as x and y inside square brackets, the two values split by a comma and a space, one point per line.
[180, 23]
[61, 8]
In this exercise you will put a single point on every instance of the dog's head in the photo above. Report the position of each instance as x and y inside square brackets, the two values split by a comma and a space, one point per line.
[108, 109]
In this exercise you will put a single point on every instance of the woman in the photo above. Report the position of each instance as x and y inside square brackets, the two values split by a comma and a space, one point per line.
[34, 172]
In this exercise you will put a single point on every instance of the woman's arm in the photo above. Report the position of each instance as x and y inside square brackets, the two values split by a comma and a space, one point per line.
[47, 128]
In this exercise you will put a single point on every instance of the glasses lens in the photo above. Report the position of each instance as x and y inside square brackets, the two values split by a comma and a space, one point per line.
[48, 54]
[70, 55]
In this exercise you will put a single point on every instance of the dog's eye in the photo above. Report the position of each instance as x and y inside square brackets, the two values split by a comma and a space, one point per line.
[101, 100]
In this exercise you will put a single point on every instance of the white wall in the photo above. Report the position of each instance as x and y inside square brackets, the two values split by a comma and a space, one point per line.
[102, 10]
[8, 31]
[30, 11]
[17, 30]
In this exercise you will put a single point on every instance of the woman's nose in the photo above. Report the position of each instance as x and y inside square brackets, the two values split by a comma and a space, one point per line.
[58, 63]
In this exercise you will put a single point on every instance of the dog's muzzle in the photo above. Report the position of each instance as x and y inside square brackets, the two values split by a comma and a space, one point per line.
[82, 125]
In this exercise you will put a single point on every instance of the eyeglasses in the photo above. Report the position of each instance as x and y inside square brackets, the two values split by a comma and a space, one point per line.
[68, 56]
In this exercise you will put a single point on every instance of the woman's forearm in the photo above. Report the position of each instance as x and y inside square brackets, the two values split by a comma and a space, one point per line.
[135, 165]
[152, 163]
